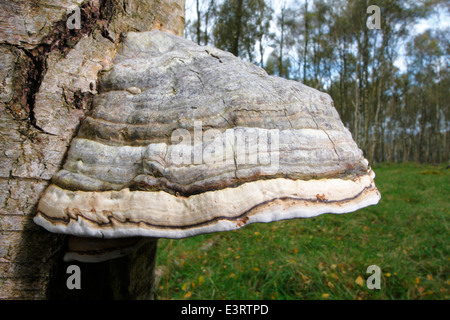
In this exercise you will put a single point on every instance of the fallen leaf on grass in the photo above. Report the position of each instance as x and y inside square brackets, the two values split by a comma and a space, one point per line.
[359, 281]
[306, 279]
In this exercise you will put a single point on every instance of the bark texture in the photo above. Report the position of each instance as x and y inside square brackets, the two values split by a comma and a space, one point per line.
[48, 78]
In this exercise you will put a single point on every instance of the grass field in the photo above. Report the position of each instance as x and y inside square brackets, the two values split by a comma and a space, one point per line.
[326, 257]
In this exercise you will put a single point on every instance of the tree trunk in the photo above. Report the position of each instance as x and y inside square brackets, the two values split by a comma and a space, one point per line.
[306, 40]
[210, 10]
[129, 277]
[48, 76]
[280, 58]
[199, 17]
[237, 35]
[357, 100]
[377, 112]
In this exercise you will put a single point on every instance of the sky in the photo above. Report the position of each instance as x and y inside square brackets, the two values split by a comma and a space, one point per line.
[436, 21]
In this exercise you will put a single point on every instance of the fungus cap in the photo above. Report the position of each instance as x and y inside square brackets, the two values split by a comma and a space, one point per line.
[185, 139]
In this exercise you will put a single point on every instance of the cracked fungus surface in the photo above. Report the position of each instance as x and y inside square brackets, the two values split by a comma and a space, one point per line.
[186, 139]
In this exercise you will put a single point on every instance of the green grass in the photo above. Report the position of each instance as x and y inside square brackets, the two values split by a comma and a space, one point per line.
[326, 257]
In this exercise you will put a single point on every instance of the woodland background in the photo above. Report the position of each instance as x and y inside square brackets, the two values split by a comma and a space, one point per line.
[389, 85]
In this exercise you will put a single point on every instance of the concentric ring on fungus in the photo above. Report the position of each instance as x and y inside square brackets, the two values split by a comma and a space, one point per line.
[185, 139]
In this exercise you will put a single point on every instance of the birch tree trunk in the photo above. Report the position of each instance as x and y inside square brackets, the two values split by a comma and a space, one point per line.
[48, 74]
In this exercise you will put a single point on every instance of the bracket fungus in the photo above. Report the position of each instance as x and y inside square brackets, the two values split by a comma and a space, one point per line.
[185, 139]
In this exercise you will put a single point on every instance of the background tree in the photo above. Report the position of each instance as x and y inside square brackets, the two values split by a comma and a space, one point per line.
[240, 24]
[427, 69]
[198, 29]
[393, 97]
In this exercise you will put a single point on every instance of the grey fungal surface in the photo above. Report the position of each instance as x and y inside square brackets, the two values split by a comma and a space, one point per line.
[185, 139]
